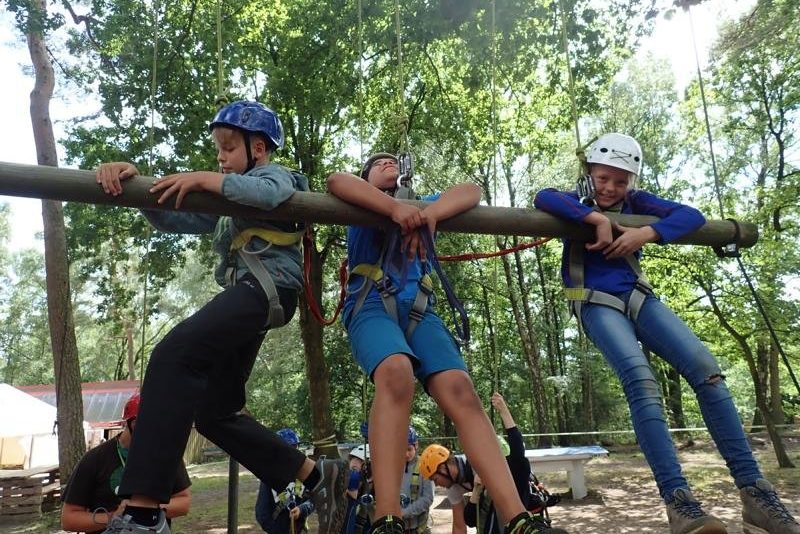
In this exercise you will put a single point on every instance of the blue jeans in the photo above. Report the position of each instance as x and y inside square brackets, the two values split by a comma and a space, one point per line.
[664, 333]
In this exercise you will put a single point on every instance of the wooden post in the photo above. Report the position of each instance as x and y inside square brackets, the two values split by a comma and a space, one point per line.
[80, 186]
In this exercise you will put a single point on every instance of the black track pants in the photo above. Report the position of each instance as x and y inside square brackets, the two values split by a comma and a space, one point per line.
[197, 373]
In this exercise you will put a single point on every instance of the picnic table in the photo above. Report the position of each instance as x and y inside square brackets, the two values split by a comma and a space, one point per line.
[569, 459]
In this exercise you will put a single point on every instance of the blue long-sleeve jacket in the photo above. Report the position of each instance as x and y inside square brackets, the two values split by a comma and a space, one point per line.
[263, 187]
[615, 275]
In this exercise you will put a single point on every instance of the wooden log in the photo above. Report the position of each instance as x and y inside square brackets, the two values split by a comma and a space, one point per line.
[79, 186]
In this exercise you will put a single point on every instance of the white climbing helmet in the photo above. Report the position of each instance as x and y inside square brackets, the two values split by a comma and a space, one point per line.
[617, 150]
[361, 452]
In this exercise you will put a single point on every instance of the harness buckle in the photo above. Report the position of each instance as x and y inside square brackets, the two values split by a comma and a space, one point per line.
[426, 286]
[415, 315]
[643, 288]
[385, 287]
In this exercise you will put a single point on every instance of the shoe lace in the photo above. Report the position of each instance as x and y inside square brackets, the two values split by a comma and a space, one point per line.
[687, 507]
[773, 506]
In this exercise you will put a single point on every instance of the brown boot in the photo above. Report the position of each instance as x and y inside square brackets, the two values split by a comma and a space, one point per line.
[686, 517]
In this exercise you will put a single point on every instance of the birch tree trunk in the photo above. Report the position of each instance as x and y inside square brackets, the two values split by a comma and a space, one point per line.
[71, 440]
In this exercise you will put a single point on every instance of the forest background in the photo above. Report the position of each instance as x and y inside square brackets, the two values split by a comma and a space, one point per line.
[484, 92]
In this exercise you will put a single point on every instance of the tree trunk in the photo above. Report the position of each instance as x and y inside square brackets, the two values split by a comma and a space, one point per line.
[71, 440]
[553, 347]
[775, 400]
[758, 380]
[530, 349]
[130, 351]
[316, 368]
[587, 387]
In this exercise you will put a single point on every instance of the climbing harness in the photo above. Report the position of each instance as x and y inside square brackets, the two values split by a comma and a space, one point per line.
[577, 295]
[238, 249]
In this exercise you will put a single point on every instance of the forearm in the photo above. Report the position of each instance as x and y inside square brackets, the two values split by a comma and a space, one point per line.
[181, 222]
[561, 204]
[455, 200]
[354, 190]
[178, 505]
[82, 520]
[459, 526]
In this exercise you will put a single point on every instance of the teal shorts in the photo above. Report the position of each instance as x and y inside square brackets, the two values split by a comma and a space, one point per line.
[374, 336]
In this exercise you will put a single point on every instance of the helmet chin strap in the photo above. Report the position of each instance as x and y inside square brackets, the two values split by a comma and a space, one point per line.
[251, 162]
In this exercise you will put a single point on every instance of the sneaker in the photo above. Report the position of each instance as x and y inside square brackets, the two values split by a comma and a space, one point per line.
[525, 523]
[388, 524]
[125, 525]
[763, 512]
[329, 495]
[686, 517]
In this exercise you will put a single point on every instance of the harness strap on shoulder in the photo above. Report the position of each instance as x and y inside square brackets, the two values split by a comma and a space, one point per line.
[275, 237]
[276, 317]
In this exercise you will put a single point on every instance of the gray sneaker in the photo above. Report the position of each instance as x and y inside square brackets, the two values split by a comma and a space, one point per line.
[329, 495]
[763, 512]
[125, 525]
[687, 517]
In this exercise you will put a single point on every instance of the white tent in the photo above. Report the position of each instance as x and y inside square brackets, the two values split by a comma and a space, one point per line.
[27, 437]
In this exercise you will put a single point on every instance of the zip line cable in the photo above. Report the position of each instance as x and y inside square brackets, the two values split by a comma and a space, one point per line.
[495, 150]
[717, 187]
[150, 159]
[402, 118]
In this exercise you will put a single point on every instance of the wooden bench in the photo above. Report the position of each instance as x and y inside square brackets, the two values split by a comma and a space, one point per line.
[569, 459]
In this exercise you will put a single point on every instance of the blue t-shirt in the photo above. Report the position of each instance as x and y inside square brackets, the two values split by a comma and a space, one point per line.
[364, 245]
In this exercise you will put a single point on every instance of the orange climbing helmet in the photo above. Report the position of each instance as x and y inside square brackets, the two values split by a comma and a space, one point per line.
[431, 458]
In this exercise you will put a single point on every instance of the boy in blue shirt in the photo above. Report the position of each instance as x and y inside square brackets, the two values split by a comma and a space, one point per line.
[395, 341]
[616, 306]
[198, 372]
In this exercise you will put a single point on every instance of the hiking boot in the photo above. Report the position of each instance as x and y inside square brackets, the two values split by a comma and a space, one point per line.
[329, 495]
[686, 517]
[126, 525]
[763, 512]
[388, 524]
[525, 523]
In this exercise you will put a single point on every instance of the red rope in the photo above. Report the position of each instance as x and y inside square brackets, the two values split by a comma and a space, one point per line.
[313, 305]
[484, 255]
[311, 301]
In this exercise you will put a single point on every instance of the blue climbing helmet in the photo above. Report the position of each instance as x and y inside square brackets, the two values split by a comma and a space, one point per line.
[251, 117]
[289, 436]
[413, 438]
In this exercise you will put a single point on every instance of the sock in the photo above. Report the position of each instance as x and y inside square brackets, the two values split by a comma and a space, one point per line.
[388, 520]
[312, 479]
[147, 517]
[516, 522]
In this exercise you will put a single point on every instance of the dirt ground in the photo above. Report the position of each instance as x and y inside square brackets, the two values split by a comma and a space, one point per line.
[622, 495]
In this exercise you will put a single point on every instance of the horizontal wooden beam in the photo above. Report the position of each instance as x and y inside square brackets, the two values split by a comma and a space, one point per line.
[79, 186]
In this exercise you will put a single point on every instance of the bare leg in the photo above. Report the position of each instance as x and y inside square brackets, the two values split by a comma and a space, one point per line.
[388, 430]
[454, 393]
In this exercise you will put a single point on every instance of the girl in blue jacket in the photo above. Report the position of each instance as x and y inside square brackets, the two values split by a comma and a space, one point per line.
[617, 308]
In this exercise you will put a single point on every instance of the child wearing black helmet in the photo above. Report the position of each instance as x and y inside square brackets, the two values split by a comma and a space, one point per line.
[197, 373]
